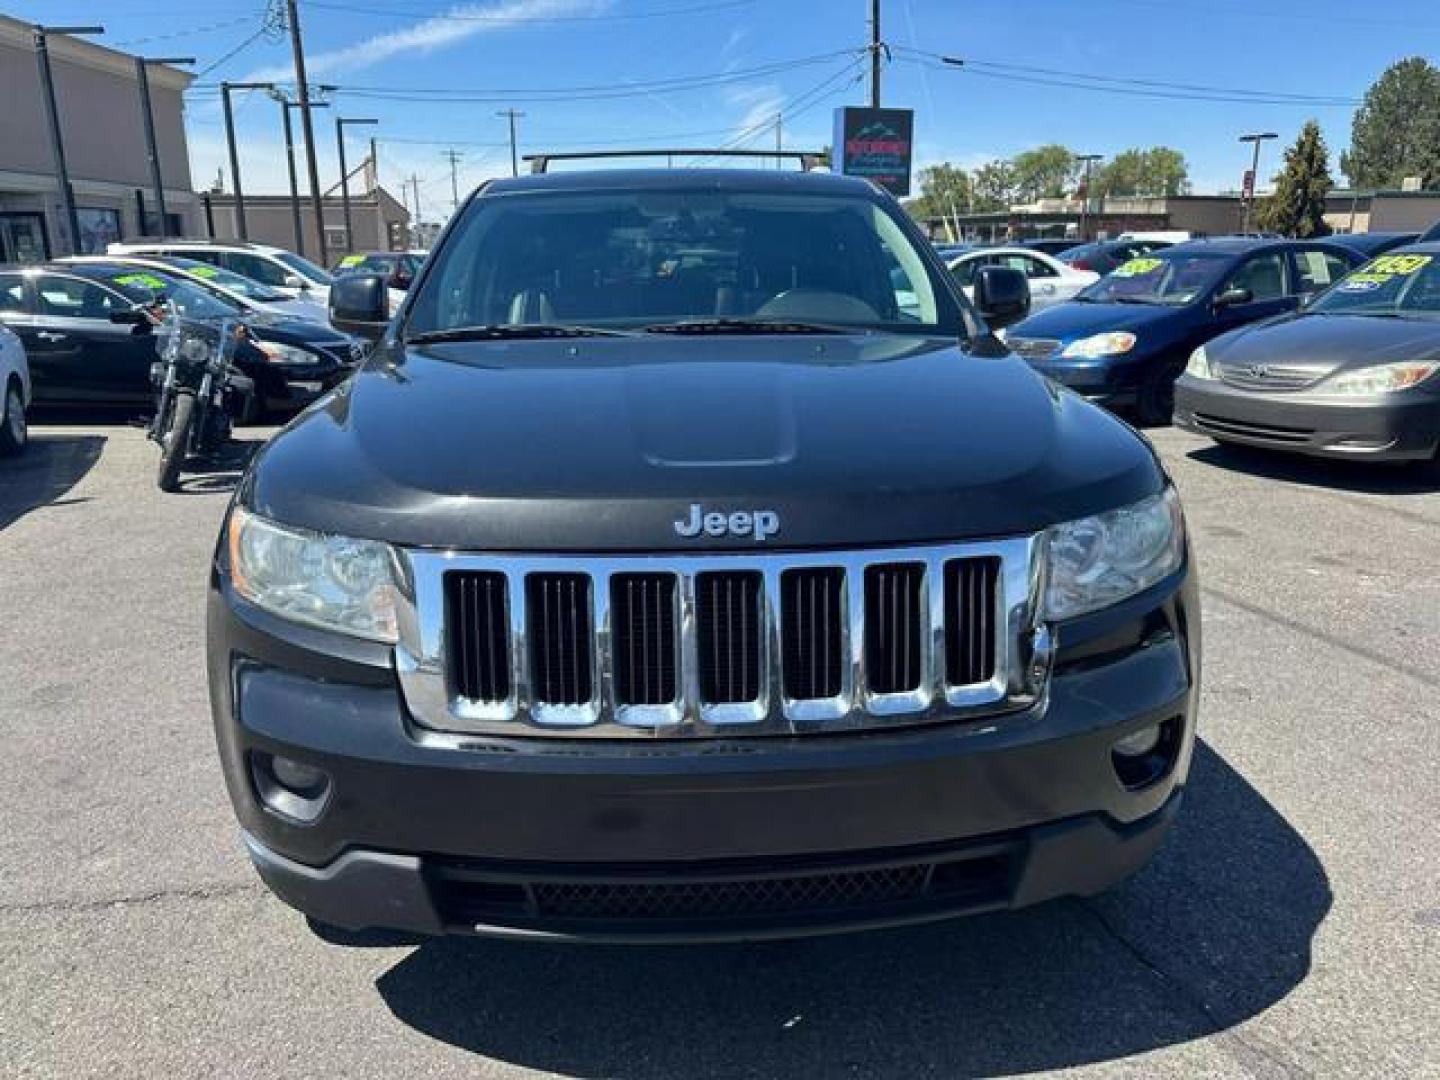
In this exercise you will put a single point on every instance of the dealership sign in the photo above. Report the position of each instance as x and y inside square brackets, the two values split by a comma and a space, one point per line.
[875, 144]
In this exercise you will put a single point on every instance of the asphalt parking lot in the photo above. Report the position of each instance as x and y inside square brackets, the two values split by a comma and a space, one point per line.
[1290, 926]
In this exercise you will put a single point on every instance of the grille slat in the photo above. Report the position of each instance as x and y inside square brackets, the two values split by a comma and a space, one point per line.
[1033, 348]
[642, 617]
[971, 588]
[480, 647]
[728, 623]
[893, 627]
[811, 633]
[560, 636]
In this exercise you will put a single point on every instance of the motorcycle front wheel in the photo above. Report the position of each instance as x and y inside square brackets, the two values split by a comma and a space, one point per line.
[175, 441]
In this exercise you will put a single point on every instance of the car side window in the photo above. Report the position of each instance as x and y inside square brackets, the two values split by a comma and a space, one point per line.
[1262, 275]
[255, 268]
[199, 254]
[12, 294]
[964, 272]
[1031, 267]
[1316, 270]
[71, 298]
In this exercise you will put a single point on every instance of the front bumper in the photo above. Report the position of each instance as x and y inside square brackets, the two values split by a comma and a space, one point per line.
[1405, 429]
[704, 839]
[1105, 381]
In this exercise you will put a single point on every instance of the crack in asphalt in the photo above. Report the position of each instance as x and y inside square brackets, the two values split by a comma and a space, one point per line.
[198, 892]
[1255, 1057]
[1397, 666]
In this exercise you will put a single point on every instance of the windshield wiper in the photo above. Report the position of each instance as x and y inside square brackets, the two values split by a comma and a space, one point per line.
[1134, 300]
[510, 332]
[749, 326]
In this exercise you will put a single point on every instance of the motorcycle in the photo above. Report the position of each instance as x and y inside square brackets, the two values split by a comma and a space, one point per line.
[199, 392]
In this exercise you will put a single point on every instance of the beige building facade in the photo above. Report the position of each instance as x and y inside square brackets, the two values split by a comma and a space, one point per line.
[98, 100]
[378, 222]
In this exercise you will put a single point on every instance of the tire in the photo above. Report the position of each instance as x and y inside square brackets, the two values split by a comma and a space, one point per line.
[14, 432]
[175, 442]
[1155, 402]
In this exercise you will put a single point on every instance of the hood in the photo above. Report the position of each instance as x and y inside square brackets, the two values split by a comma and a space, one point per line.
[604, 444]
[1071, 321]
[300, 309]
[288, 328]
[1318, 345]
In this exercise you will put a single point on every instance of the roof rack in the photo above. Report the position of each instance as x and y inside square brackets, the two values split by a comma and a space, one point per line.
[809, 159]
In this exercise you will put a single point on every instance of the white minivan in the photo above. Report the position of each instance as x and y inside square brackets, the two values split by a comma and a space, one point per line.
[284, 271]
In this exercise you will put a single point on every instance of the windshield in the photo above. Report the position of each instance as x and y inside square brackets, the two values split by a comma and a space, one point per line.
[634, 259]
[1402, 285]
[228, 279]
[304, 267]
[193, 302]
[1159, 279]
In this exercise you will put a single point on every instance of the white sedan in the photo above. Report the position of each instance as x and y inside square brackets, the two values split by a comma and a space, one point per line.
[1051, 281]
[14, 393]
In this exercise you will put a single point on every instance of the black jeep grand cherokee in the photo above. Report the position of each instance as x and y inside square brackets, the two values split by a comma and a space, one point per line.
[689, 561]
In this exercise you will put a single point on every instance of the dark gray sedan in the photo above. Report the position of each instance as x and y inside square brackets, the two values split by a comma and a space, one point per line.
[1354, 374]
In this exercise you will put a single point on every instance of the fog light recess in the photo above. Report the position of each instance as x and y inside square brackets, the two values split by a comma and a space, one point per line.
[290, 788]
[1147, 754]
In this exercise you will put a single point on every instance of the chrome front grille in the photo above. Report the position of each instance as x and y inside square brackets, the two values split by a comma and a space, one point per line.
[772, 644]
[1268, 377]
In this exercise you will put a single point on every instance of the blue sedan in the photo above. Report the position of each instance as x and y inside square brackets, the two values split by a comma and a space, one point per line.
[1125, 340]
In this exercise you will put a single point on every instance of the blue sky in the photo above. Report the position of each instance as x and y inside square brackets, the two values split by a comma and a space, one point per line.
[617, 62]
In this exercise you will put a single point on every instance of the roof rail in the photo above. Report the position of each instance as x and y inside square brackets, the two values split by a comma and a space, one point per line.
[809, 159]
[204, 240]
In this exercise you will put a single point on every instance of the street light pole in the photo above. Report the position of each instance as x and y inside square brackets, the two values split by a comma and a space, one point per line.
[340, 122]
[1088, 160]
[52, 117]
[225, 88]
[147, 114]
[1257, 138]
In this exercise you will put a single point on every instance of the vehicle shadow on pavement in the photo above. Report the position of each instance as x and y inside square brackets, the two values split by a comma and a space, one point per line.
[50, 466]
[1372, 478]
[1216, 930]
[221, 471]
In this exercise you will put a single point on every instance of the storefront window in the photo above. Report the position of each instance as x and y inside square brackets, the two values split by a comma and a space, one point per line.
[22, 238]
[99, 227]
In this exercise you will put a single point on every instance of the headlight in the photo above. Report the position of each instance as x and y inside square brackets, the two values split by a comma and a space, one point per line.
[1101, 560]
[286, 354]
[1199, 365]
[1381, 379]
[1111, 344]
[331, 582]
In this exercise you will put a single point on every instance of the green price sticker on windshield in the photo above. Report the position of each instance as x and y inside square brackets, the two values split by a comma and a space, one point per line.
[149, 281]
[1398, 265]
[203, 271]
[1138, 267]
[351, 260]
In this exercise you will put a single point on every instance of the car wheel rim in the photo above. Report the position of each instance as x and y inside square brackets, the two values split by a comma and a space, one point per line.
[15, 416]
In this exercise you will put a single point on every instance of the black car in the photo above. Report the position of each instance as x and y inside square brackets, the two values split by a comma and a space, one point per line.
[397, 267]
[1375, 243]
[1355, 374]
[623, 596]
[66, 313]
[1103, 256]
[1124, 340]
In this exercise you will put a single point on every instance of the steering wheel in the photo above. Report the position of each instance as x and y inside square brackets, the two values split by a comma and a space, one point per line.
[821, 305]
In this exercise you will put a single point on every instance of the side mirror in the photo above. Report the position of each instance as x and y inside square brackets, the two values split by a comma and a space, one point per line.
[360, 305]
[1231, 297]
[129, 316]
[1002, 294]
[295, 281]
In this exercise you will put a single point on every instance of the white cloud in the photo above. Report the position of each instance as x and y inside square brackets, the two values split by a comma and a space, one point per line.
[451, 27]
[760, 101]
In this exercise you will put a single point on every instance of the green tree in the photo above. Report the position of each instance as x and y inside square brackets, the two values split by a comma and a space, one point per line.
[1297, 208]
[1157, 171]
[944, 192]
[994, 186]
[1396, 131]
[1047, 172]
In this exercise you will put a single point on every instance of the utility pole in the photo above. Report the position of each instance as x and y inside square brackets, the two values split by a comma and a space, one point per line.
[302, 89]
[1088, 160]
[453, 157]
[147, 115]
[875, 49]
[225, 88]
[514, 159]
[52, 117]
[415, 232]
[779, 141]
[1249, 197]
[340, 122]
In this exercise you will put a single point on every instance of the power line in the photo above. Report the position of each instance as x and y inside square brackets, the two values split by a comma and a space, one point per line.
[522, 20]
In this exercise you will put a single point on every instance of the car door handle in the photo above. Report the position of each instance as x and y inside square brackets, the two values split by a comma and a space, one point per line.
[50, 335]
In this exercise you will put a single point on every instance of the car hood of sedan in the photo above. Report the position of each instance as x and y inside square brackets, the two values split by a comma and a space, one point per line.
[603, 444]
[1074, 320]
[1320, 344]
